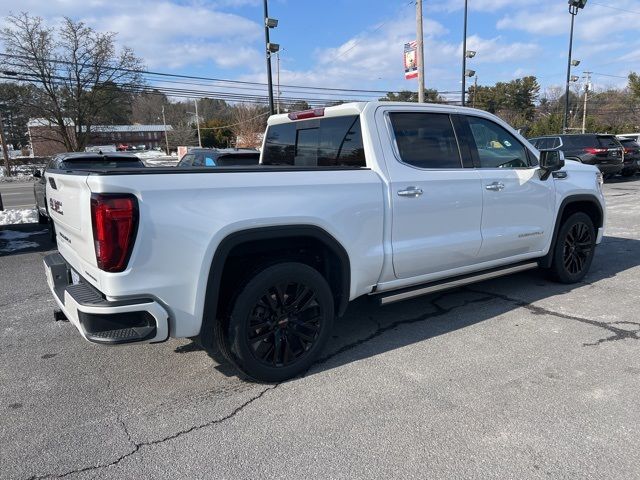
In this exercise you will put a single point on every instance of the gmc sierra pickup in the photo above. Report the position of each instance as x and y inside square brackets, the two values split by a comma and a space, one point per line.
[390, 200]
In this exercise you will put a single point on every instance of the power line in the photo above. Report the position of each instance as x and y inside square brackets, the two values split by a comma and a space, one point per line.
[615, 8]
[358, 42]
[192, 77]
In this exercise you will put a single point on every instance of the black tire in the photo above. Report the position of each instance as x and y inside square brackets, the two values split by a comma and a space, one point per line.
[42, 219]
[52, 232]
[279, 322]
[628, 173]
[574, 249]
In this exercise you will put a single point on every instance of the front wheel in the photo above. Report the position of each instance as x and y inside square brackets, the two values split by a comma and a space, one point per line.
[574, 249]
[280, 322]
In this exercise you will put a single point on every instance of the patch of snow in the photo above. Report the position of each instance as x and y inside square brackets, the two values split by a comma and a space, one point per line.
[11, 217]
[17, 240]
[15, 178]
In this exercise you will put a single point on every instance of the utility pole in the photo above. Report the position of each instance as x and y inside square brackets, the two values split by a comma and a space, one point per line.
[587, 86]
[420, 43]
[5, 150]
[464, 55]
[166, 138]
[195, 101]
[475, 90]
[278, 92]
[268, 42]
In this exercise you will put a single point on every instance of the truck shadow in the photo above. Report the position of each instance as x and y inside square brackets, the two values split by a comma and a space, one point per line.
[24, 238]
[368, 330]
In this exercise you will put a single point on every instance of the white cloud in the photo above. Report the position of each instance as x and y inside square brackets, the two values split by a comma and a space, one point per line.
[164, 34]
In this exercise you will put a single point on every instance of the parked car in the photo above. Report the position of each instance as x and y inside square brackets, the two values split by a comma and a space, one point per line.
[387, 200]
[77, 161]
[603, 151]
[213, 157]
[632, 136]
[631, 156]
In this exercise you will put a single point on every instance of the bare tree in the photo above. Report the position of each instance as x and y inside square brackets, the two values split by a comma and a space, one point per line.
[182, 136]
[76, 71]
[248, 124]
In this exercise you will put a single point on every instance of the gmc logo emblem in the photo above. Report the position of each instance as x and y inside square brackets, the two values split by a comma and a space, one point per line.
[56, 206]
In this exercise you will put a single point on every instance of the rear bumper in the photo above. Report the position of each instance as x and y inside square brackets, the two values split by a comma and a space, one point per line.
[140, 320]
[610, 169]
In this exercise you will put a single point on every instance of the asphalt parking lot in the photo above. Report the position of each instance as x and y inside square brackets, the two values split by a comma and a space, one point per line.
[514, 378]
[17, 195]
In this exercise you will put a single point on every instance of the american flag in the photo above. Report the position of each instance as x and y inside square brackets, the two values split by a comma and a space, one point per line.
[410, 60]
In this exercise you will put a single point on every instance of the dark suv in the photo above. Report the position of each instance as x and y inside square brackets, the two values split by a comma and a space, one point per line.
[603, 151]
[213, 157]
[631, 156]
[78, 161]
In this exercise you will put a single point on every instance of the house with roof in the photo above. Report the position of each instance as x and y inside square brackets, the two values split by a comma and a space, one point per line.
[46, 141]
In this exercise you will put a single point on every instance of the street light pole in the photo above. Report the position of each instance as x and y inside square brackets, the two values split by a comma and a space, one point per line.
[464, 54]
[269, 73]
[420, 44]
[574, 6]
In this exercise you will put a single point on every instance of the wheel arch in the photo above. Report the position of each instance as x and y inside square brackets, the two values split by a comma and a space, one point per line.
[340, 285]
[585, 203]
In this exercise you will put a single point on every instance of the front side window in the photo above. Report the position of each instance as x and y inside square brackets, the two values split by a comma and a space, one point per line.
[426, 140]
[497, 148]
[325, 142]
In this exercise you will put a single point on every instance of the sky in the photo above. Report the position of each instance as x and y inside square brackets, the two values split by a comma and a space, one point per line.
[359, 43]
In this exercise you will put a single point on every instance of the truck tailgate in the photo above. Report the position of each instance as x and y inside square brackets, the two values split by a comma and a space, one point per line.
[69, 203]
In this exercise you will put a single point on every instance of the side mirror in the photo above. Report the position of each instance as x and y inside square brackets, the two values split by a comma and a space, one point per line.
[37, 174]
[550, 161]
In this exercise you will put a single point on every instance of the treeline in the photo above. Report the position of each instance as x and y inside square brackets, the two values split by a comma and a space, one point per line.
[523, 104]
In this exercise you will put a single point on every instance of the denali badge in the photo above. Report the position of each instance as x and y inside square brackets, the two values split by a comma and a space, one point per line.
[56, 206]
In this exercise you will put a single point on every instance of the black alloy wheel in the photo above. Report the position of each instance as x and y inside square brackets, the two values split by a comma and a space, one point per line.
[284, 324]
[578, 247]
[279, 322]
[574, 249]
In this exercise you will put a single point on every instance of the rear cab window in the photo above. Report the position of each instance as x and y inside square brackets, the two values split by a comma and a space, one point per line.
[426, 140]
[324, 142]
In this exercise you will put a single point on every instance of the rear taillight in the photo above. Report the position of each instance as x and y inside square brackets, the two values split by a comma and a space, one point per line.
[115, 223]
[595, 151]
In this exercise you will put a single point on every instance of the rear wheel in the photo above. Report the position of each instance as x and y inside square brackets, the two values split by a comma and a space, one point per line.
[279, 322]
[574, 249]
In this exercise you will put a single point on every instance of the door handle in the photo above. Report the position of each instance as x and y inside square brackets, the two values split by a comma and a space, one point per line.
[495, 186]
[410, 192]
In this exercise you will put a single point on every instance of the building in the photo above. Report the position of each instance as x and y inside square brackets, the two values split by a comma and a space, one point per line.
[46, 139]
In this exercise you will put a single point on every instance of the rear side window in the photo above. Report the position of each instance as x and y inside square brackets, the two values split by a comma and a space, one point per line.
[329, 142]
[579, 141]
[426, 140]
[608, 142]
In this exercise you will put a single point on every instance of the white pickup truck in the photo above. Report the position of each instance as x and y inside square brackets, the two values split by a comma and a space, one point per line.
[391, 200]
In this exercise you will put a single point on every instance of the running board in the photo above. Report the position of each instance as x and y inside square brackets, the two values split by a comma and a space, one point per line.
[426, 288]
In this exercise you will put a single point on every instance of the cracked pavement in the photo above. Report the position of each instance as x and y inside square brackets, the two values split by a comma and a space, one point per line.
[513, 378]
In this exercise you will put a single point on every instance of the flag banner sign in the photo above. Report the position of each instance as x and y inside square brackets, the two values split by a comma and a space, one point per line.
[411, 60]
